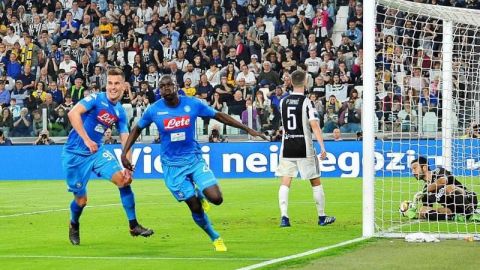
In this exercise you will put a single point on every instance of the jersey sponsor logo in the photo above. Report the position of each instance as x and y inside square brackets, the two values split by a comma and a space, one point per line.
[176, 122]
[106, 118]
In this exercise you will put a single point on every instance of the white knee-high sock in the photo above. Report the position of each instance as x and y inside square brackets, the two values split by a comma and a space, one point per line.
[283, 200]
[319, 198]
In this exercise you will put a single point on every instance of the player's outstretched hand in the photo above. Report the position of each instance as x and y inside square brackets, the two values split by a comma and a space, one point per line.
[92, 146]
[257, 134]
[126, 163]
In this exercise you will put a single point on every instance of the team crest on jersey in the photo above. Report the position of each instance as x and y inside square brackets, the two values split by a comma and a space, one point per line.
[176, 122]
[106, 118]
[187, 108]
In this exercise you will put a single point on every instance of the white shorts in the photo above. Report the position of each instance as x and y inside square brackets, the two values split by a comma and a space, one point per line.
[309, 167]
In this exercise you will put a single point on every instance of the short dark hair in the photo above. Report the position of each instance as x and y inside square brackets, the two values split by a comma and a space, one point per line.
[116, 72]
[422, 161]
[298, 78]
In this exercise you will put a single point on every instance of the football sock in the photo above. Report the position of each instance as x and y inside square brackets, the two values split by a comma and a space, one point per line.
[283, 200]
[128, 202]
[75, 212]
[203, 222]
[319, 198]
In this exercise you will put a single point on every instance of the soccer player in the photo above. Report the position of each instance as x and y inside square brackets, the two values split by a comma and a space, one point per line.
[300, 120]
[83, 152]
[442, 188]
[186, 174]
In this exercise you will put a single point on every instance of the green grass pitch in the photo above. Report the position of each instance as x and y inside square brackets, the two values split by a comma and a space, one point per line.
[34, 232]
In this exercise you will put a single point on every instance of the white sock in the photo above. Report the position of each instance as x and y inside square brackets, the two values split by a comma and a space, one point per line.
[283, 200]
[319, 198]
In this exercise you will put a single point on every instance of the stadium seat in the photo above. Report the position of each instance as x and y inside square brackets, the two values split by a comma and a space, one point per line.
[213, 123]
[283, 40]
[131, 57]
[270, 29]
[231, 130]
[199, 126]
[430, 123]
[129, 110]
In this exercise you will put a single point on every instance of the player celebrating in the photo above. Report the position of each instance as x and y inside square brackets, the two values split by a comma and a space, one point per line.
[186, 174]
[443, 188]
[300, 119]
[83, 152]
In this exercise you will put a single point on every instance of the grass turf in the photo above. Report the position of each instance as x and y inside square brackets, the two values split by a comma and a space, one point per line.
[248, 221]
[34, 233]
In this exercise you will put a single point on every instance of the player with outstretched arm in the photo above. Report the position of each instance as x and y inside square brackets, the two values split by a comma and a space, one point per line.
[297, 154]
[186, 174]
[83, 152]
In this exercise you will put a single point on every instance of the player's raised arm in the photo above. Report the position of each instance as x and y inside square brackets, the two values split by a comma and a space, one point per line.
[75, 117]
[228, 120]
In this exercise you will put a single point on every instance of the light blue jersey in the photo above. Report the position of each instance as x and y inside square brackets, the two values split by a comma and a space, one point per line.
[184, 169]
[101, 114]
[77, 160]
[176, 126]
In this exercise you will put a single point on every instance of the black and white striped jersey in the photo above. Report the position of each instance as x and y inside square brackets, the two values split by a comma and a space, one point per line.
[297, 112]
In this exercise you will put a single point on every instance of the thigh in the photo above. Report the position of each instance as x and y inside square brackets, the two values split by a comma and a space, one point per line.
[286, 168]
[77, 169]
[179, 181]
[202, 176]
[309, 168]
[105, 164]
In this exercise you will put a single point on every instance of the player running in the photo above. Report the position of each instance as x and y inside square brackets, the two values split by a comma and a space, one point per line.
[297, 154]
[83, 152]
[442, 188]
[186, 174]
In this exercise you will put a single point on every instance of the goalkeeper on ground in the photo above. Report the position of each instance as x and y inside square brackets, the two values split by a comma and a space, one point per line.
[443, 197]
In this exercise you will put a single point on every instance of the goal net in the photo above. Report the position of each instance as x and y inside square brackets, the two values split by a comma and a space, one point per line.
[427, 61]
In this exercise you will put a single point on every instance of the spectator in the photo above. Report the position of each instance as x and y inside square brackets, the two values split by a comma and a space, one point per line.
[264, 110]
[6, 121]
[237, 105]
[77, 90]
[349, 118]
[68, 65]
[353, 33]
[21, 124]
[337, 135]
[27, 78]
[99, 78]
[215, 135]
[250, 115]
[14, 68]
[44, 139]
[108, 139]
[4, 141]
[61, 125]
[331, 115]
[4, 95]
[69, 27]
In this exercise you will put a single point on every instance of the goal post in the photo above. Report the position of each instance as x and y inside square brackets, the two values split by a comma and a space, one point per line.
[421, 76]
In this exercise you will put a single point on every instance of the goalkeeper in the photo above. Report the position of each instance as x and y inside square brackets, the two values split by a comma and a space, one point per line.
[443, 197]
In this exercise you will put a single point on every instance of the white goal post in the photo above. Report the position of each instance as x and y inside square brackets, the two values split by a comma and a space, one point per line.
[427, 58]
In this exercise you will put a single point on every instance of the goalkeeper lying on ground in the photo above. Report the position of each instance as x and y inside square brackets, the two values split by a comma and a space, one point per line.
[452, 199]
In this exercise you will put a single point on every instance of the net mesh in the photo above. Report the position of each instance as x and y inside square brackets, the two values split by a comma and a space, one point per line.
[410, 106]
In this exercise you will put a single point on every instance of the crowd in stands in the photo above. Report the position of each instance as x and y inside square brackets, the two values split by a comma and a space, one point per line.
[235, 55]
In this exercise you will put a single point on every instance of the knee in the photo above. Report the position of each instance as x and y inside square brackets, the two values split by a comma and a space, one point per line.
[82, 201]
[217, 199]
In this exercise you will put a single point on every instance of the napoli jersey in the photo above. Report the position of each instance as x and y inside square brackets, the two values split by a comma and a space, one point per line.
[177, 129]
[100, 115]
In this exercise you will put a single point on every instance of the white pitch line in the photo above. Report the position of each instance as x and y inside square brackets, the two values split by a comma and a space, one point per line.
[303, 254]
[59, 210]
[129, 258]
[118, 204]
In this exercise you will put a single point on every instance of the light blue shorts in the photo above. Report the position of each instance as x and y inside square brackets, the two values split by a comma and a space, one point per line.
[78, 169]
[182, 181]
